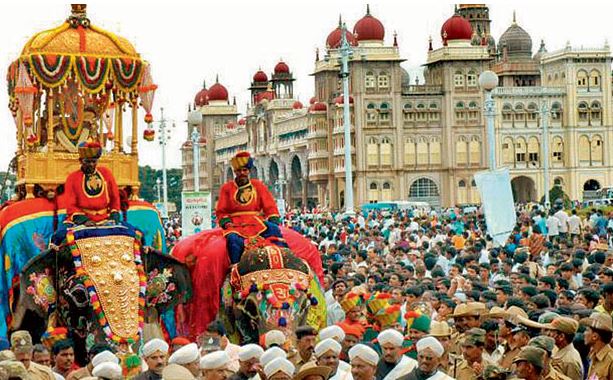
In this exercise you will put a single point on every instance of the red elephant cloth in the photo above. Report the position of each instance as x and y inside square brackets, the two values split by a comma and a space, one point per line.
[246, 207]
[206, 256]
[94, 196]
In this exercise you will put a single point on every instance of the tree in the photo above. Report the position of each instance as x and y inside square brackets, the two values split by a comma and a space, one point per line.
[148, 184]
[558, 196]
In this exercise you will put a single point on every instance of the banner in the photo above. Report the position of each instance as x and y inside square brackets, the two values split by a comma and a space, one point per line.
[196, 212]
[497, 203]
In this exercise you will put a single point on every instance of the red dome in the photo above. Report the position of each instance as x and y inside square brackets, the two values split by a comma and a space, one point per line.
[319, 107]
[341, 99]
[202, 98]
[230, 125]
[334, 38]
[260, 76]
[456, 28]
[369, 28]
[218, 92]
[281, 68]
[242, 121]
[313, 100]
[297, 105]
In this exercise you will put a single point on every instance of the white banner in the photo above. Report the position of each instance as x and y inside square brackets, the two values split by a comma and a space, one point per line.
[497, 202]
[196, 212]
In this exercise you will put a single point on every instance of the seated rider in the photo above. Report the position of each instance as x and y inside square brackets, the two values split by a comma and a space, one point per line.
[91, 193]
[246, 209]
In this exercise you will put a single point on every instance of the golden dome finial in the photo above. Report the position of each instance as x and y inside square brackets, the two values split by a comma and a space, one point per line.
[514, 18]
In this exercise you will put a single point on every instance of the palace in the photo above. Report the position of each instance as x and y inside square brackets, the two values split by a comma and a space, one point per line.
[417, 141]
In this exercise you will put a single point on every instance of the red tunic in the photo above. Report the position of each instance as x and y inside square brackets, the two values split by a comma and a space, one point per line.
[95, 198]
[246, 207]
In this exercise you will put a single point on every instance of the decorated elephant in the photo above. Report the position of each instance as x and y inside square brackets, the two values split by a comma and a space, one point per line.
[242, 305]
[100, 285]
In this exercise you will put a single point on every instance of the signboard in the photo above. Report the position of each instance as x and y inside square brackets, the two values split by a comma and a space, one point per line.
[281, 207]
[161, 209]
[497, 202]
[196, 212]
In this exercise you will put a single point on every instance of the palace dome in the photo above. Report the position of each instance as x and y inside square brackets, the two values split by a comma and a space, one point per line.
[369, 28]
[456, 28]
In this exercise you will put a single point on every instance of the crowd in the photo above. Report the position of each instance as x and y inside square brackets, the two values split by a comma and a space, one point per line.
[410, 296]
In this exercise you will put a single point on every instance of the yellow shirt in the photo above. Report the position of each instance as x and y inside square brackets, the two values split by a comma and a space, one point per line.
[602, 363]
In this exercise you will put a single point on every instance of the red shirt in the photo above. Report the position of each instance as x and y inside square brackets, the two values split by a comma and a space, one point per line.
[94, 196]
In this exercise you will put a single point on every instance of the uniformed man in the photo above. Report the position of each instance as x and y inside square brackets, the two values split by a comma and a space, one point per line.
[495, 372]
[154, 353]
[548, 345]
[393, 364]
[597, 336]
[327, 354]
[472, 351]
[442, 332]
[21, 345]
[567, 359]
[530, 363]
[306, 336]
[460, 328]
[513, 335]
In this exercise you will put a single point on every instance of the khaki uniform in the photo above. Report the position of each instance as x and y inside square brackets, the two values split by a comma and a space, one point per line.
[466, 371]
[79, 374]
[456, 343]
[507, 358]
[40, 372]
[602, 363]
[568, 361]
[448, 366]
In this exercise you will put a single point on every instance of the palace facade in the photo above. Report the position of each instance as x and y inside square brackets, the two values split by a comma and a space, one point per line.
[417, 141]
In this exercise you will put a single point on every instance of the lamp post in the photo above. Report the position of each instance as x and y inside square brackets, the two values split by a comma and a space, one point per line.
[346, 53]
[488, 80]
[195, 137]
[545, 143]
[158, 185]
[164, 135]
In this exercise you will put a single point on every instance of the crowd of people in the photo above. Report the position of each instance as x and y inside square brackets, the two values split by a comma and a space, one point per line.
[410, 296]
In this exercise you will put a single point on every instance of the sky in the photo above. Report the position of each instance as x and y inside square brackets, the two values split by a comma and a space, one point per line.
[189, 42]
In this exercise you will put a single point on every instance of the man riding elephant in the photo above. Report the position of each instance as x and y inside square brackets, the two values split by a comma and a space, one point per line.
[246, 209]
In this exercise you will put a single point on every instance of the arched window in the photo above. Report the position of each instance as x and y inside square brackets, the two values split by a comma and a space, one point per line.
[519, 112]
[459, 105]
[371, 113]
[520, 150]
[582, 79]
[557, 149]
[507, 112]
[597, 150]
[386, 151]
[458, 79]
[582, 109]
[508, 151]
[472, 105]
[594, 80]
[372, 152]
[533, 151]
[459, 111]
[556, 111]
[384, 109]
[462, 183]
[409, 152]
[383, 80]
[475, 198]
[461, 154]
[595, 113]
[433, 106]
[369, 80]
[584, 150]
[423, 188]
[475, 150]
[386, 194]
[373, 192]
[471, 79]
[532, 111]
[462, 192]
[435, 151]
[422, 151]
[408, 107]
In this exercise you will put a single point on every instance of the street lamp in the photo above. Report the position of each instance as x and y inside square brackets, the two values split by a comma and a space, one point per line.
[158, 183]
[164, 132]
[346, 52]
[488, 80]
[196, 157]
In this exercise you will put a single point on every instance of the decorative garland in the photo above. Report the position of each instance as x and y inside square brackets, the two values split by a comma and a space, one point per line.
[93, 73]
[127, 73]
[93, 296]
[51, 70]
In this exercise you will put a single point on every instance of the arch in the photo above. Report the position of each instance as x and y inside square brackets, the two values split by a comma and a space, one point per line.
[433, 106]
[520, 150]
[461, 153]
[385, 150]
[409, 152]
[508, 151]
[507, 107]
[371, 106]
[557, 149]
[408, 107]
[556, 111]
[423, 188]
[369, 80]
[461, 183]
[582, 78]
[474, 149]
[373, 192]
[385, 106]
[533, 151]
[386, 192]
[372, 152]
[524, 189]
[462, 192]
[435, 151]
[584, 150]
[597, 150]
[471, 78]
[459, 105]
[594, 82]
[383, 80]
[519, 107]
[296, 179]
[472, 105]
[422, 151]
[274, 174]
[595, 112]
[591, 185]
[458, 79]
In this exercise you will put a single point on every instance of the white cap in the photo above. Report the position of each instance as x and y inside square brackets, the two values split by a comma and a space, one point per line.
[279, 365]
[274, 337]
[176, 372]
[390, 336]
[327, 345]
[270, 354]
[431, 343]
[108, 370]
[155, 345]
[103, 357]
[362, 351]
[185, 355]
[250, 351]
[215, 360]
[335, 332]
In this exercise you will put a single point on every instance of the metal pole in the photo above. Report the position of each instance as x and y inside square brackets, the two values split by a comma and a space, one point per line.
[545, 142]
[164, 179]
[196, 153]
[345, 52]
[491, 138]
[158, 184]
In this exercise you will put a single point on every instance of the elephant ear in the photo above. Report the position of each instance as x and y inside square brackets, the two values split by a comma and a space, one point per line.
[168, 281]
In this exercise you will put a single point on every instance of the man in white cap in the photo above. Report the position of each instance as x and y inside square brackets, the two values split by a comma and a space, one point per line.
[334, 332]
[429, 354]
[177, 372]
[279, 369]
[327, 354]
[270, 354]
[108, 371]
[154, 353]
[393, 364]
[274, 338]
[189, 357]
[98, 352]
[363, 362]
[248, 362]
[216, 366]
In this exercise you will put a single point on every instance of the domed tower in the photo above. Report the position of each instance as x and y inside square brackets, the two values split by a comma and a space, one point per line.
[259, 84]
[515, 44]
[369, 30]
[283, 81]
[478, 15]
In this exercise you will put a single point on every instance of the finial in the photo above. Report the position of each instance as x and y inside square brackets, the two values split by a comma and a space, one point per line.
[606, 43]
[395, 39]
[316, 54]
[514, 18]
[367, 9]
[204, 84]
[542, 48]
[78, 16]
[430, 43]
[216, 78]
[340, 20]
[234, 100]
[455, 9]
[189, 107]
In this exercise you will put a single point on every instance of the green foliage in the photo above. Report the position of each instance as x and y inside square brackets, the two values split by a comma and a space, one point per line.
[556, 193]
[148, 185]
